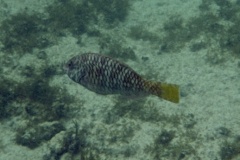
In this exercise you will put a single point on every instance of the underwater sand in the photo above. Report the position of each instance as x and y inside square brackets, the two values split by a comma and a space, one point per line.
[209, 103]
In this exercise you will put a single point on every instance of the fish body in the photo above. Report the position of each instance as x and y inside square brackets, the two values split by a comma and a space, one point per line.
[104, 75]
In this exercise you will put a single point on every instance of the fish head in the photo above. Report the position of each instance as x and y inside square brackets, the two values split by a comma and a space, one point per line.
[75, 69]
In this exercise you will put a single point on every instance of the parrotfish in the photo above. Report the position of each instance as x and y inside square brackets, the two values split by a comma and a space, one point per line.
[105, 75]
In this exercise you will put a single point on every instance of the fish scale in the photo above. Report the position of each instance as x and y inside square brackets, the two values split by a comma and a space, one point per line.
[104, 75]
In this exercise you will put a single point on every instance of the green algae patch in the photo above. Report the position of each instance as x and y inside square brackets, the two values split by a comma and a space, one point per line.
[23, 32]
[230, 150]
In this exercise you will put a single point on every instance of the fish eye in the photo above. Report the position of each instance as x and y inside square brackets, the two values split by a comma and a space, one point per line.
[70, 64]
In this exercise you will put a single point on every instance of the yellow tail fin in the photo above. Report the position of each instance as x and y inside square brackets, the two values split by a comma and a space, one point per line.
[169, 92]
[166, 91]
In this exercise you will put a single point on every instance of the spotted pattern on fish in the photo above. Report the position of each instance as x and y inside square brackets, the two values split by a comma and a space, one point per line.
[104, 75]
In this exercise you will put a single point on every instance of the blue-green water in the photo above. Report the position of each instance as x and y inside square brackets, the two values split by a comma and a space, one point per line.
[193, 44]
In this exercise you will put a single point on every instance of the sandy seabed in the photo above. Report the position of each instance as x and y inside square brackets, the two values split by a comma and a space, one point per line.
[205, 121]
